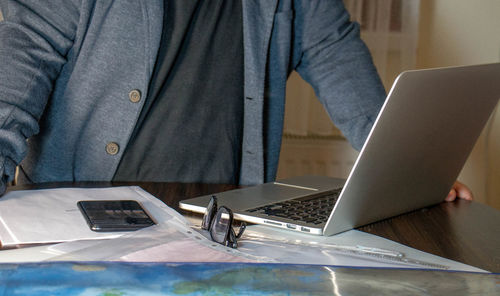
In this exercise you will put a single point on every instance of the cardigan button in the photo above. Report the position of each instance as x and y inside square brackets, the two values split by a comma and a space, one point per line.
[112, 148]
[134, 95]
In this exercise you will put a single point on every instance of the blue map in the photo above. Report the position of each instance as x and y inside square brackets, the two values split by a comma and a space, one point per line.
[117, 278]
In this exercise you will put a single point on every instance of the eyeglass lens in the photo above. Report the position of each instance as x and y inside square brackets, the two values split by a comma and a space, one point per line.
[209, 213]
[221, 225]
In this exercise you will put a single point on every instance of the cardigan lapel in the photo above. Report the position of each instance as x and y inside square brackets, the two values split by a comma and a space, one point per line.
[153, 14]
[258, 17]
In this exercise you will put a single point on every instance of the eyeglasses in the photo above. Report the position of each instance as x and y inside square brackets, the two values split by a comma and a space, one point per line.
[219, 222]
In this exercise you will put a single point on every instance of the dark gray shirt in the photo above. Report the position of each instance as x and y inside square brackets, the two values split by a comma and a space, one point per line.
[190, 127]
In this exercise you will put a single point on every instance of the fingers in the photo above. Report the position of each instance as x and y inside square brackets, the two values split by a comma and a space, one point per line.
[463, 191]
[451, 196]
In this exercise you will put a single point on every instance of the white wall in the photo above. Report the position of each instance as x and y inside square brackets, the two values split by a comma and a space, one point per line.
[462, 32]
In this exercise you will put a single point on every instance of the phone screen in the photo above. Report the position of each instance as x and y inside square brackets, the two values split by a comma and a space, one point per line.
[114, 215]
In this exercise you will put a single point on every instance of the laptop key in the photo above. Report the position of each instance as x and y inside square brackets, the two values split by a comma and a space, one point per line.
[309, 220]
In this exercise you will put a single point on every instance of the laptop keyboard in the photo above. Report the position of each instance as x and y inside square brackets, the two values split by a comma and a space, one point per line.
[313, 209]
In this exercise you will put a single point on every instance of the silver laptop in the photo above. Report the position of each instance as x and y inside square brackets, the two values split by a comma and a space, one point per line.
[414, 153]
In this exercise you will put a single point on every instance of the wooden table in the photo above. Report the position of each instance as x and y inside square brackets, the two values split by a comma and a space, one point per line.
[467, 232]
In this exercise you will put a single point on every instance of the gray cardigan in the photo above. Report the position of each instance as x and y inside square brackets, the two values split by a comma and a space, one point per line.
[74, 75]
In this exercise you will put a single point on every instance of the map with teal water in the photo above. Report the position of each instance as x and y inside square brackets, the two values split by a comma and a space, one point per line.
[116, 279]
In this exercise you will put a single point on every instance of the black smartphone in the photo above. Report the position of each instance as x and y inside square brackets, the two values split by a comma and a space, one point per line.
[114, 215]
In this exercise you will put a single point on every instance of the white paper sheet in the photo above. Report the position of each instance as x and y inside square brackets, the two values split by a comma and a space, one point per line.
[174, 240]
[52, 215]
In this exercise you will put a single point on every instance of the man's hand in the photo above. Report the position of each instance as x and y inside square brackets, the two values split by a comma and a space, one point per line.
[459, 190]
